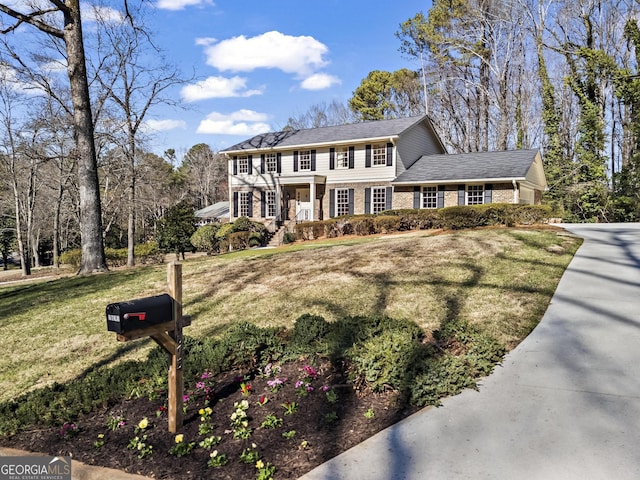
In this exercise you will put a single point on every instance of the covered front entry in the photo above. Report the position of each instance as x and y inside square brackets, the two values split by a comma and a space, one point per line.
[304, 205]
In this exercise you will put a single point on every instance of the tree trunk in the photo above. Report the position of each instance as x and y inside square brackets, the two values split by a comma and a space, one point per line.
[93, 258]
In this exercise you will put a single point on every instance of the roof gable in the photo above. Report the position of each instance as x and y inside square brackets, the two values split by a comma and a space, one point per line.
[324, 135]
[507, 165]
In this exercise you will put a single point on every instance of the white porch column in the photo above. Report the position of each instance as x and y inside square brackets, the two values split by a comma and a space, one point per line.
[312, 194]
[279, 202]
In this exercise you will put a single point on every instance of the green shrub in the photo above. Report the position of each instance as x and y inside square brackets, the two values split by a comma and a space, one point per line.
[248, 345]
[386, 223]
[255, 239]
[242, 224]
[455, 218]
[71, 257]
[308, 332]
[309, 230]
[362, 224]
[531, 214]
[386, 360]
[204, 238]
[238, 240]
[116, 257]
[440, 377]
[224, 231]
[148, 252]
[289, 237]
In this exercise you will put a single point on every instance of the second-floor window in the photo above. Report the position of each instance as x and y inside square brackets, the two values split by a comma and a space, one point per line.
[243, 164]
[429, 197]
[379, 154]
[305, 159]
[342, 157]
[271, 162]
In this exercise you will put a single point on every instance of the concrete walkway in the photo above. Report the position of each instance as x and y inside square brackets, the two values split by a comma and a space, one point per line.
[564, 405]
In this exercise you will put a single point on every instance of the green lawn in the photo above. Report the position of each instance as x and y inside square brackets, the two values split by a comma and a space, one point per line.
[500, 279]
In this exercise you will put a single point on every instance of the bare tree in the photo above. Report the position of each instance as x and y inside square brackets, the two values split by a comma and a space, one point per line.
[206, 175]
[49, 21]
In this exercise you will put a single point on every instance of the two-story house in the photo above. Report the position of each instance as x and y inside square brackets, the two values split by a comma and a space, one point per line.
[369, 167]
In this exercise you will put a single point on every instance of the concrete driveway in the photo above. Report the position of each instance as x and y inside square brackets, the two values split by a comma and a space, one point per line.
[565, 404]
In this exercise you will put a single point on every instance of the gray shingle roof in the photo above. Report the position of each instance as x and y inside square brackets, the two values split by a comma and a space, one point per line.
[339, 133]
[506, 165]
[217, 210]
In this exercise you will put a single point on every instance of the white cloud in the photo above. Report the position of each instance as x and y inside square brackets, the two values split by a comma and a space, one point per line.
[319, 81]
[301, 55]
[91, 13]
[243, 122]
[181, 4]
[218, 87]
[163, 125]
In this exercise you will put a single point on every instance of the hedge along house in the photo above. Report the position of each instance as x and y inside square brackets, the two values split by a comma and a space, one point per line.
[369, 167]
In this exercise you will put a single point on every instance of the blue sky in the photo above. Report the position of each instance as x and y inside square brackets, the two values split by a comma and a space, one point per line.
[258, 62]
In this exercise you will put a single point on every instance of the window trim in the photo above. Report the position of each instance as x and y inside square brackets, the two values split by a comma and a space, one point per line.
[379, 155]
[244, 199]
[478, 192]
[373, 201]
[346, 204]
[303, 157]
[273, 158]
[243, 164]
[432, 199]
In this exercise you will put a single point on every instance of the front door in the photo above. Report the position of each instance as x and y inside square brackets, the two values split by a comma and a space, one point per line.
[303, 204]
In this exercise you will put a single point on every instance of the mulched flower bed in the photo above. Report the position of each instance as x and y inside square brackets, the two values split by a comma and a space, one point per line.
[329, 418]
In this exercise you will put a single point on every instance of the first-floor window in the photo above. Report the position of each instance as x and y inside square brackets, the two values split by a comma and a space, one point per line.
[429, 197]
[271, 203]
[475, 194]
[342, 201]
[378, 199]
[243, 199]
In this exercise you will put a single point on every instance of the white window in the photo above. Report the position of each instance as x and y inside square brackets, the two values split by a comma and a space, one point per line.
[243, 164]
[342, 201]
[271, 162]
[379, 154]
[271, 203]
[475, 194]
[378, 199]
[429, 197]
[342, 157]
[305, 159]
[243, 201]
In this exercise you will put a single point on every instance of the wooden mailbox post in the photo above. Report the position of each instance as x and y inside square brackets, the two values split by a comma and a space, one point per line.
[169, 336]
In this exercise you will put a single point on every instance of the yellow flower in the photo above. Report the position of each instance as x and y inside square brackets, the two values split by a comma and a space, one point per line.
[144, 423]
[259, 464]
[179, 438]
[208, 411]
[201, 411]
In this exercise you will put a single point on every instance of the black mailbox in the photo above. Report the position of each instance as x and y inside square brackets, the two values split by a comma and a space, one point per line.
[123, 317]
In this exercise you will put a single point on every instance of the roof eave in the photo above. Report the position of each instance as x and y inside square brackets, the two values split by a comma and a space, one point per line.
[309, 145]
[461, 180]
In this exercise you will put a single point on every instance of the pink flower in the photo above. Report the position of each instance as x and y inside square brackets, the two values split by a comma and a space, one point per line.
[325, 388]
[200, 385]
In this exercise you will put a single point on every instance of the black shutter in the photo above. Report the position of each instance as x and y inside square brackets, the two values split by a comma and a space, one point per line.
[295, 161]
[262, 166]
[461, 192]
[416, 197]
[250, 204]
[388, 198]
[313, 160]
[235, 204]
[352, 157]
[263, 204]
[367, 200]
[235, 164]
[250, 161]
[389, 154]
[332, 159]
[367, 155]
[487, 193]
[332, 202]
[440, 200]
[351, 200]
[279, 161]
